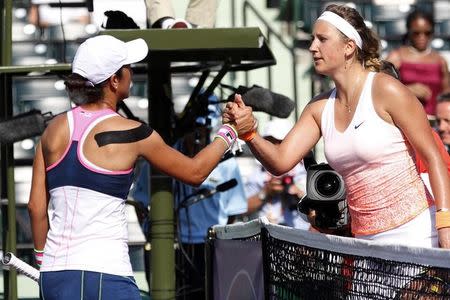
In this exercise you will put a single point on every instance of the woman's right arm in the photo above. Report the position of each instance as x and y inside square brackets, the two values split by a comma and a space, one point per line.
[170, 161]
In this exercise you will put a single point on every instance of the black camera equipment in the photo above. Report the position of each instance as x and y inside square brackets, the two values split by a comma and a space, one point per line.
[289, 200]
[325, 193]
[23, 126]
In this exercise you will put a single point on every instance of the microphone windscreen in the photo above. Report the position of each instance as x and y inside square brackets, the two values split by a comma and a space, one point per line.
[282, 105]
[226, 185]
[21, 127]
[261, 99]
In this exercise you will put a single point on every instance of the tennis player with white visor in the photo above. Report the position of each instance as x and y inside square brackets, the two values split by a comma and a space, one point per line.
[83, 170]
[370, 124]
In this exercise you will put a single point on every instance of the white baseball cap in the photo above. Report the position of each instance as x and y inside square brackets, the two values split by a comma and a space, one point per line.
[277, 128]
[99, 57]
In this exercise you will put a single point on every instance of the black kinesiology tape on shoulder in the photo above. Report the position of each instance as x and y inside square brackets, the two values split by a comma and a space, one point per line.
[123, 136]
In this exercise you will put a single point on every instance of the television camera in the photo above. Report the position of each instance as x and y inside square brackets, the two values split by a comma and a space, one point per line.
[325, 194]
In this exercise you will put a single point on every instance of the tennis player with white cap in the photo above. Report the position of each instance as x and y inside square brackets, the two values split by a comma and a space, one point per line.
[83, 170]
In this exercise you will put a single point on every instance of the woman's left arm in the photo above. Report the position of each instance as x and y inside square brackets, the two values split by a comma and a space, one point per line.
[38, 202]
[406, 112]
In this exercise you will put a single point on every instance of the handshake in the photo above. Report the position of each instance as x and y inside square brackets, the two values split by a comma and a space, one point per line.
[240, 117]
[238, 122]
[245, 100]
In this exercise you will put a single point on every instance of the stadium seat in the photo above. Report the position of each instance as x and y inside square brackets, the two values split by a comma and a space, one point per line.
[441, 10]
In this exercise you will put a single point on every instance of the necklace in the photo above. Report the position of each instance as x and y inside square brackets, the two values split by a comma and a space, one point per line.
[349, 109]
[348, 105]
[420, 53]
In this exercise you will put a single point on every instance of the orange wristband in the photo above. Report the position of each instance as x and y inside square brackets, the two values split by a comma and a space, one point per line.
[442, 219]
[248, 136]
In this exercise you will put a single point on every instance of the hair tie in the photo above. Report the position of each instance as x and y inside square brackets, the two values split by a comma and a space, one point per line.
[89, 83]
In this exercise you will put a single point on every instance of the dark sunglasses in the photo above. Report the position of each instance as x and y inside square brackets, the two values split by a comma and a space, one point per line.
[426, 33]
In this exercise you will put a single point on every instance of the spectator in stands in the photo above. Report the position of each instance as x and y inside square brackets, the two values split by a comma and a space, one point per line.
[199, 13]
[423, 70]
[443, 119]
[43, 15]
[276, 197]
[365, 123]
[82, 172]
[134, 10]
[61, 27]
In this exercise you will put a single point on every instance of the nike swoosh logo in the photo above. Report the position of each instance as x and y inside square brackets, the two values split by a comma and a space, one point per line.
[357, 126]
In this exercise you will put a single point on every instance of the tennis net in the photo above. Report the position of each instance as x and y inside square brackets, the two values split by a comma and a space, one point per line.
[299, 264]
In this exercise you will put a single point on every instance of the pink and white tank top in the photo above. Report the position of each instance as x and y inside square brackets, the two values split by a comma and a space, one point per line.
[384, 189]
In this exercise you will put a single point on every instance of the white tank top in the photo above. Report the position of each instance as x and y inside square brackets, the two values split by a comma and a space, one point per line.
[384, 189]
[88, 225]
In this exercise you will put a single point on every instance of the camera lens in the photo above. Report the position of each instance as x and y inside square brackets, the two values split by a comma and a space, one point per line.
[327, 184]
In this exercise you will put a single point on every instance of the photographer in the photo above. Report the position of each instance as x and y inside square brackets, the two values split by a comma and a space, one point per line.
[276, 197]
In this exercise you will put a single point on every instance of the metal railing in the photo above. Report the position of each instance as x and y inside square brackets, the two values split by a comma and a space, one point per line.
[247, 7]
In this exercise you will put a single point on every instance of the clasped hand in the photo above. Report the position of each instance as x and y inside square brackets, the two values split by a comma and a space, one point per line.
[239, 115]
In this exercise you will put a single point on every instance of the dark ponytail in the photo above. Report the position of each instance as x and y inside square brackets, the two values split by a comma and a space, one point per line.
[82, 91]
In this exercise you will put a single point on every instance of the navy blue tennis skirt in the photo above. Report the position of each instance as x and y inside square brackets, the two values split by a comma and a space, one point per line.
[86, 285]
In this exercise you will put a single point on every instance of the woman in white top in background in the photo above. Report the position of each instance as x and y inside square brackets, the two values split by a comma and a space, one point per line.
[371, 123]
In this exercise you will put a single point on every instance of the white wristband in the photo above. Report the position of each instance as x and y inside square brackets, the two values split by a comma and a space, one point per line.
[228, 134]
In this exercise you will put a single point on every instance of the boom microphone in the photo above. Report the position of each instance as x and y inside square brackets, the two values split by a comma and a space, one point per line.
[23, 126]
[262, 99]
[205, 193]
